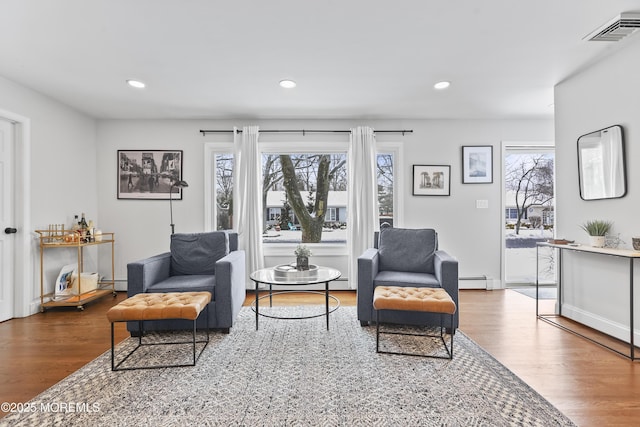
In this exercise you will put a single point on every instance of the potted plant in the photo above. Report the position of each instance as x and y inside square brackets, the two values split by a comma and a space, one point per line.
[302, 257]
[597, 229]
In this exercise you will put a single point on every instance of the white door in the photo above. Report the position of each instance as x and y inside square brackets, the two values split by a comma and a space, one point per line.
[7, 233]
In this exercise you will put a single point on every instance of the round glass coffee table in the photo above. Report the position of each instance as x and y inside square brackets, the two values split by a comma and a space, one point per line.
[274, 276]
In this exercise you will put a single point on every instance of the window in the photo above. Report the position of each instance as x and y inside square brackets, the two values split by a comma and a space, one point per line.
[278, 210]
[273, 215]
[511, 214]
[385, 176]
[218, 186]
[304, 194]
[331, 215]
[224, 191]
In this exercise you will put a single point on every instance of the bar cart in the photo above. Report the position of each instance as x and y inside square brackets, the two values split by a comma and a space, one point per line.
[60, 239]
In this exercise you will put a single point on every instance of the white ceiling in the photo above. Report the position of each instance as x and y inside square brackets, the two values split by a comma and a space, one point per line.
[363, 59]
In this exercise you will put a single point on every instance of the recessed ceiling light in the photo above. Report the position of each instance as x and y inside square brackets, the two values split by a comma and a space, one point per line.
[288, 84]
[442, 85]
[136, 83]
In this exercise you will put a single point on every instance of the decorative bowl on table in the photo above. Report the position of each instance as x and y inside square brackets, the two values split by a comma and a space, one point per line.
[290, 272]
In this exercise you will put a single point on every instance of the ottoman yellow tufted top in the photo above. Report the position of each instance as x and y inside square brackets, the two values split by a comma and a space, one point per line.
[432, 300]
[172, 305]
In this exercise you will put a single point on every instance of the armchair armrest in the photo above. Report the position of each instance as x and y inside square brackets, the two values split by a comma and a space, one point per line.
[446, 271]
[367, 269]
[230, 290]
[142, 274]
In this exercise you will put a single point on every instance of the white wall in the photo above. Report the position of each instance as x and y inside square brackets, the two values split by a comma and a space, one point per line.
[472, 235]
[605, 94]
[63, 172]
[74, 170]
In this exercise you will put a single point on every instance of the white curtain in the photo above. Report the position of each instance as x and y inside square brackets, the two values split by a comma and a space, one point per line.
[362, 208]
[247, 197]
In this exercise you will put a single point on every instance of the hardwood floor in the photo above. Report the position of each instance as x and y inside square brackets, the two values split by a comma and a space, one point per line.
[591, 385]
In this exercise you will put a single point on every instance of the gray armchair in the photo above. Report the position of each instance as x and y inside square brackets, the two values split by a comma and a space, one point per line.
[196, 262]
[405, 257]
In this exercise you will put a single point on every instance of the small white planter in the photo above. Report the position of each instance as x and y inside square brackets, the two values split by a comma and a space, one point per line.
[597, 241]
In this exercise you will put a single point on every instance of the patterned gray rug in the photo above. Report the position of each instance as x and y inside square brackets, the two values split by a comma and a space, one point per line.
[295, 373]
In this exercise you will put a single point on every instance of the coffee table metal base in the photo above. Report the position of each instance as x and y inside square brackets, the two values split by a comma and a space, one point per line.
[328, 308]
[332, 308]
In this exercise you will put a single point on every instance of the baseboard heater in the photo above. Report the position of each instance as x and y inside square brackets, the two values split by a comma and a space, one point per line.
[121, 284]
[473, 282]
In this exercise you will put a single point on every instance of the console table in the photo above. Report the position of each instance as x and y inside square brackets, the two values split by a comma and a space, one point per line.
[620, 253]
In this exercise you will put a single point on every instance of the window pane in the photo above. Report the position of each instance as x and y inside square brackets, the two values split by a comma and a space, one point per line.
[385, 188]
[305, 197]
[224, 191]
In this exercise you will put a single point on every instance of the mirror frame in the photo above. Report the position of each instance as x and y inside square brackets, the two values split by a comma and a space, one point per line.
[622, 159]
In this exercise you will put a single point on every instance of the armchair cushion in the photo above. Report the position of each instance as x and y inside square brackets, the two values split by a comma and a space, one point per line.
[407, 250]
[184, 283]
[407, 279]
[197, 253]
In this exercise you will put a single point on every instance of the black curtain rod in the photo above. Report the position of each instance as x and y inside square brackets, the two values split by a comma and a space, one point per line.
[305, 131]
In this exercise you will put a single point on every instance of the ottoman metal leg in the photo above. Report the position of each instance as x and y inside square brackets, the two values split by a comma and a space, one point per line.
[449, 349]
[193, 342]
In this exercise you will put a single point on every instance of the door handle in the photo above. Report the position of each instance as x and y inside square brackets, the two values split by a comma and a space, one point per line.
[10, 230]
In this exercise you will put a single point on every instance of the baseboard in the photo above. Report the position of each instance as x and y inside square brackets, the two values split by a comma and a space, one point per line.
[121, 285]
[599, 323]
[472, 283]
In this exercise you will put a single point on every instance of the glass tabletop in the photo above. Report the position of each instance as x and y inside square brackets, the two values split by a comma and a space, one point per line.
[317, 275]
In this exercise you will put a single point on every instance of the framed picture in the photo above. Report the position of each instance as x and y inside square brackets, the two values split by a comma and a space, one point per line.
[431, 180]
[477, 164]
[148, 174]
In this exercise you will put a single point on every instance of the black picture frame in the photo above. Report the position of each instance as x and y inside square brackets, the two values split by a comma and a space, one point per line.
[477, 164]
[148, 174]
[431, 180]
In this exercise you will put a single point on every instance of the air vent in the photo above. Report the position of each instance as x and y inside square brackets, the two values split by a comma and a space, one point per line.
[616, 29]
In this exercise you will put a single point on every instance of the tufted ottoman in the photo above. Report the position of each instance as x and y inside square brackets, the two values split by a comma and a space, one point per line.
[156, 306]
[432, 300]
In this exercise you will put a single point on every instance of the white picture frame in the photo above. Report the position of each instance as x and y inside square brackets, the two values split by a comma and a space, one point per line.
[477, 164]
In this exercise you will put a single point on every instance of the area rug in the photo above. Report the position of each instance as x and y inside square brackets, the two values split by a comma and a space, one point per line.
[296, 373]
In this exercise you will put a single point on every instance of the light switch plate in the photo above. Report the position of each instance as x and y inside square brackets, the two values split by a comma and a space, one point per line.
[482, 204]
